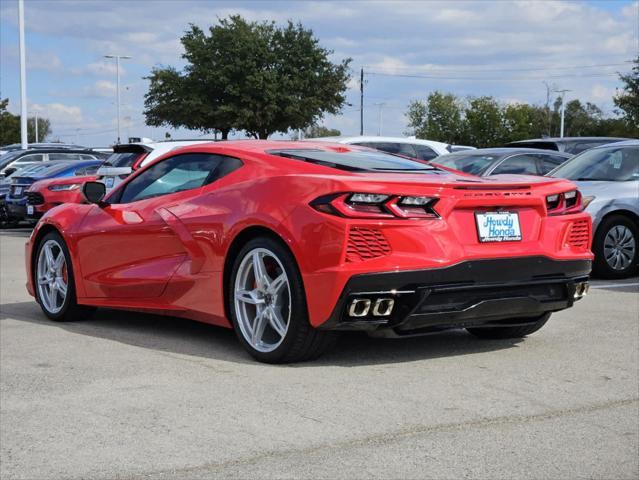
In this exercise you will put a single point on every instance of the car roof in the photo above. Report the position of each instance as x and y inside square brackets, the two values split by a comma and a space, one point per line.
[20, 153]
[371, 138]
[567, 139]
[625, 143]
[502, 151]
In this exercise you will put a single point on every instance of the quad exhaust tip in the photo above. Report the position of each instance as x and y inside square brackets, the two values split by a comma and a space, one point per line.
[361, 307]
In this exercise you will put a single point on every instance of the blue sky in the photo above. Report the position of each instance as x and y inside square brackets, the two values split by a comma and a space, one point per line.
[410, 48]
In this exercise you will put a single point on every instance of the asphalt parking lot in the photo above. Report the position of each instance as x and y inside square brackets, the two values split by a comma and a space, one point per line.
[138, 396]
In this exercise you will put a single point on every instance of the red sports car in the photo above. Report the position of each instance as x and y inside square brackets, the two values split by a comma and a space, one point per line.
[290, 242]
[43, 195]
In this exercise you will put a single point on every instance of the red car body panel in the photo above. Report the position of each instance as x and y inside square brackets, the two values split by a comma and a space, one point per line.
[168, 254]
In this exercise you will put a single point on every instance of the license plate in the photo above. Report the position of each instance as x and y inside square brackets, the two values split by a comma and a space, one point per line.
[109, 182]
[17, 191]
[498, 227]
[29, 209]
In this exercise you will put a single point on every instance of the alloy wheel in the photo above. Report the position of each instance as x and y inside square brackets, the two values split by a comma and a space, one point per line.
[262, 300]
[52, 276]
[619, 247]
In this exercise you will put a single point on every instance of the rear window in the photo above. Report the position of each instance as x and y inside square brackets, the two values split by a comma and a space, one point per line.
[357, 161]
[124, 159]
[473, 164]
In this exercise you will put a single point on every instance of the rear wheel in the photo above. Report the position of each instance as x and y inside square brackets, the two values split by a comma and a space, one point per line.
[510, 332]
[268, 305]
[54, 281]
[616, 247]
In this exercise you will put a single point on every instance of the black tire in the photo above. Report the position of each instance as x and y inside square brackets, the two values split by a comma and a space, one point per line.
[6, 221]
[301, 342]
[500, 333]
[600, 266]
[70, 310]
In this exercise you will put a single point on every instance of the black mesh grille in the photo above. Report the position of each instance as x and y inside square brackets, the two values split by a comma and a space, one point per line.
[34, 198]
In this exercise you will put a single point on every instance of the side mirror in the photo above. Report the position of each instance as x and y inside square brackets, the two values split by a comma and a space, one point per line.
[9, 171]
[94, 192]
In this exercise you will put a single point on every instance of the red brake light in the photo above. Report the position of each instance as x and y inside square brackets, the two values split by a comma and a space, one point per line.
[564, 203]
[365, 205]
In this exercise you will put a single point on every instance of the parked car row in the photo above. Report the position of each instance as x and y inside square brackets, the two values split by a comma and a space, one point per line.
[607, 176]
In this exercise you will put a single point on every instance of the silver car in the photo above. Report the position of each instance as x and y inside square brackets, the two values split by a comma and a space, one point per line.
[608, 178]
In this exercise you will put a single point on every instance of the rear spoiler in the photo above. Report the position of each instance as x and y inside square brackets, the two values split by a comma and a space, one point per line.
[132, 148]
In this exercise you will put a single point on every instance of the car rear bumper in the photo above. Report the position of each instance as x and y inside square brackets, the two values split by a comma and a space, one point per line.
[473, 292]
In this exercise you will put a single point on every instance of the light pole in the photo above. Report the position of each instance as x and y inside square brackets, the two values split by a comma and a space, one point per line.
[36, 127]
[379, 118]
[563, 110]
[23, 78]
[117, 70]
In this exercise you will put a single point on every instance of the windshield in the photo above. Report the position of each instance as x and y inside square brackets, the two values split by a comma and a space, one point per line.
[354, 160]
[614, 164]
[124, 159]
[473, 164]
[7, 158]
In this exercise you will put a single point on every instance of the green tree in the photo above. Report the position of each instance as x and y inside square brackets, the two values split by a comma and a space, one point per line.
[10, 126]
[318, 131]
[522, 121]
[249, 76]
[628, 99]
[439, 118]
[484, 126]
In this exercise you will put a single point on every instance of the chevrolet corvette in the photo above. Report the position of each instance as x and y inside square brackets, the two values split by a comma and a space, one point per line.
[289, 243]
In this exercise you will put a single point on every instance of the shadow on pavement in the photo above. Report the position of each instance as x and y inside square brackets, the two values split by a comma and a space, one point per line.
[180, 336]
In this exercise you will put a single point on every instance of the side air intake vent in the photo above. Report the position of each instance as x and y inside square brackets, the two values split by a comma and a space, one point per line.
[366, 243]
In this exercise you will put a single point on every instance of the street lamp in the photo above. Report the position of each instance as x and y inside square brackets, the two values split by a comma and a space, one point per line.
[117, 70]
[23, 78]
[563, 110]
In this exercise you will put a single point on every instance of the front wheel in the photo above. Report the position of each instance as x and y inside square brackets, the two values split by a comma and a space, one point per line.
[497, 333]
[268, 305]
[54, 283]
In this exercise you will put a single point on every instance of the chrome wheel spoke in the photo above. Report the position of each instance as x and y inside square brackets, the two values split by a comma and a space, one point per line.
[278, 284]
[276, 321]
[249, 296]
[259, 271]
[61, 287]
[258, 327]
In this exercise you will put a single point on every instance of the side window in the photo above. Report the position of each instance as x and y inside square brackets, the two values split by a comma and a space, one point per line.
[176, 174]
[87, 157]
[63, 156]
[550, 162]
[405, 149]
[518, 164]
[38, 157]
[424, 152]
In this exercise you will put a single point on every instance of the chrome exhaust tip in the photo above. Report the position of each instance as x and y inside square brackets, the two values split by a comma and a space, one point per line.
[383, 307]
[581, 290]
[359, 307]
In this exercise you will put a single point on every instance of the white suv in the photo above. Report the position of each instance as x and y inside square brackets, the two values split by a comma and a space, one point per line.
[130, 157]
[408, 147]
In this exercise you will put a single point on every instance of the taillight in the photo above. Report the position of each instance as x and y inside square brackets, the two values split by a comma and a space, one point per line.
[564, 203]
[369, 205]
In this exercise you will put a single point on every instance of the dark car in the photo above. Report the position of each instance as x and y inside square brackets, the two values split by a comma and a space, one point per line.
[16, 198]
[572, 145]
[11, 161]
[6, 220]
[493, 161]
